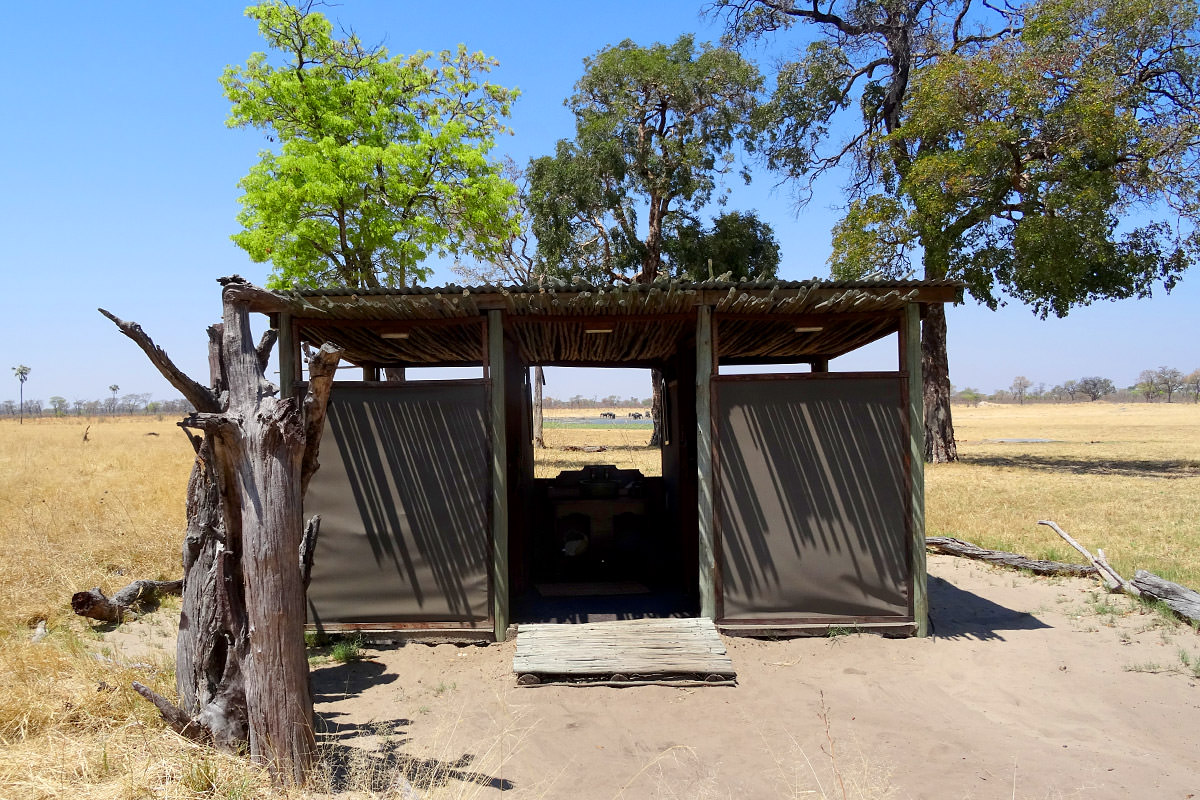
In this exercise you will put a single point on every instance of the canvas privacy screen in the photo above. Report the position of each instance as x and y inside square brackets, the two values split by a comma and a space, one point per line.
[812, 498]
[403, 493]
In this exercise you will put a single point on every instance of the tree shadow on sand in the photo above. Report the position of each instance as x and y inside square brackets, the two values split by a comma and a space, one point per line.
[365, 756]
[1134, 468]
[959, 614]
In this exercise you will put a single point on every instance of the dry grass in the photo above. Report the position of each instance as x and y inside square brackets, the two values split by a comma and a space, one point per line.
[1125, 478]
[77, 514]
[624, 444]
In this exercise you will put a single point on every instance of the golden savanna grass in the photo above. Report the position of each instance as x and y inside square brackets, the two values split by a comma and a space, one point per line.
[1124, 478]
[77, 514]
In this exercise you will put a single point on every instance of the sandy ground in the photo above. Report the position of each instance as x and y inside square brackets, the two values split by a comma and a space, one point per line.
[1026, 690]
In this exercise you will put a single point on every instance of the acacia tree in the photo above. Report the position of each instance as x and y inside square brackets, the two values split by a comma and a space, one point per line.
[999, 149]
[1096, 387]
[22, 373]
[382, 159]
[655, 127]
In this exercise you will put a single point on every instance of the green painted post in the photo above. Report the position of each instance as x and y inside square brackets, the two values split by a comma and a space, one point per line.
[499, 476]
[704, 465]
[916, 445]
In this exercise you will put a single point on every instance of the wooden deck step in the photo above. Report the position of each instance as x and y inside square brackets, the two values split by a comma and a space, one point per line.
[632, 651]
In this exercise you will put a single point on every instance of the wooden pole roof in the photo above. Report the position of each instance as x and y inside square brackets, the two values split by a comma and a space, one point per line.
[617, 324]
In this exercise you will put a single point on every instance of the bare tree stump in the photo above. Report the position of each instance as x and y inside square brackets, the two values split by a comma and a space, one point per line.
[241, 670]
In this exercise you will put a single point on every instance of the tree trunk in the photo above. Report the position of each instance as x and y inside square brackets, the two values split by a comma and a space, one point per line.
[939, 429]
[656, 399]
[241, 670]
[539, 380]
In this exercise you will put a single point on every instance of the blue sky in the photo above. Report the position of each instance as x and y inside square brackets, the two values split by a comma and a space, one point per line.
[119, 178]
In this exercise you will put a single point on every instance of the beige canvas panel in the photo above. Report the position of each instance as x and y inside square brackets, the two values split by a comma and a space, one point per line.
[403, 493]
[811, 502]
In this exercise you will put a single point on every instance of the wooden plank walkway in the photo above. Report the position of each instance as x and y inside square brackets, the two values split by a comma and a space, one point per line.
[636, 650]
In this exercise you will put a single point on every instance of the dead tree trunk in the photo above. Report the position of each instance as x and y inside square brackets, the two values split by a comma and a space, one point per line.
[241, 671]
[539, 380]
[656, 401]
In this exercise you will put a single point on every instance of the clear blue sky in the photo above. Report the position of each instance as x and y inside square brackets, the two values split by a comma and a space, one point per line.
[119, 178]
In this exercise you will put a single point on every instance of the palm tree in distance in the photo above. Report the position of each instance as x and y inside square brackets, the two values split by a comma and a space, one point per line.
[22, 373]
[114, 389]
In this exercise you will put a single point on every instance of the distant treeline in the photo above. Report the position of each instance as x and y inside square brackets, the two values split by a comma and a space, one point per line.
[612, 401]
[124, 405]
[1162, 384]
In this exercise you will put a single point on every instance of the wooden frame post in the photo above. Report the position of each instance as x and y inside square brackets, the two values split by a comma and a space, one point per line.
[910, 336]
[500, 581]
[704, 463]
[287, 355]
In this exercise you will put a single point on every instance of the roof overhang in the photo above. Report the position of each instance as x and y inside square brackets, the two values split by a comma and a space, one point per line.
[615, 325]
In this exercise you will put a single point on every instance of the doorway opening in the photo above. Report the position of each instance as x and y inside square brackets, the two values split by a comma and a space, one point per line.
[600, 538]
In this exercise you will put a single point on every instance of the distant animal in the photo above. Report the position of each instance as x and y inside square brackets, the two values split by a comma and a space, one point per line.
[635, 414]
[608, 415]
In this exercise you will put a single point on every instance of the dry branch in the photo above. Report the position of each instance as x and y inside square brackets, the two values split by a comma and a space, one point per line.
[948, 545]
[1112, 580]
[199, 396]
[125, 604]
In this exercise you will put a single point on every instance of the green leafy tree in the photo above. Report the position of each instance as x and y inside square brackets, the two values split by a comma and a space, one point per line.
[655, 128]
[60, 405]
[737, 244]
[112, 404]
[1169, 380]
[1096, 387]
[382, 159]
[22, 374]
[1002, 150]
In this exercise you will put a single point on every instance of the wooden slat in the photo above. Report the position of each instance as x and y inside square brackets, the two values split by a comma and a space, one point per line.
[642, 648]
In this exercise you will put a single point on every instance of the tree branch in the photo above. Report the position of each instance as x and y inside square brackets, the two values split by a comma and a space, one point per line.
[199, 396]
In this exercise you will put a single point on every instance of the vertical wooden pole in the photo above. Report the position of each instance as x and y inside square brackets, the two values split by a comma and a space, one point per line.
[820, 365]
[500, 583]
[910, 336]
[704, 465]
[287, 356]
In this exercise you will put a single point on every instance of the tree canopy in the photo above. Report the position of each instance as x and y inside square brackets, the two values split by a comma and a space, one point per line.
[382, 159]
[1045, 153]
[655, 128]
[1053, 166]
[737, 244]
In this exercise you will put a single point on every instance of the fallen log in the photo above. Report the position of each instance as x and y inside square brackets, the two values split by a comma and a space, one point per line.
[126, 604]
[1180, 599]
[948, 545]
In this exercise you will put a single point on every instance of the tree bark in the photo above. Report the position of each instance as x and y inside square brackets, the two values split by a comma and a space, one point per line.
[940, 446]
[656, 399]
[539, 380]
[241, 670]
